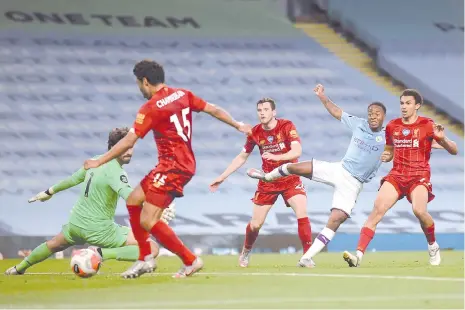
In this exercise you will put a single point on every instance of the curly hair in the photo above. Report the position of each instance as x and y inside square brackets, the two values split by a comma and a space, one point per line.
[150, 70]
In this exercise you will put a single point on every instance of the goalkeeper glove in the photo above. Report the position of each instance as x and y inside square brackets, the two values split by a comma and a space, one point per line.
[169, 213]
[42, 196]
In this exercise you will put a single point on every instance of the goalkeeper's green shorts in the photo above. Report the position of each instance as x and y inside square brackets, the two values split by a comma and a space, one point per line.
[112, 236]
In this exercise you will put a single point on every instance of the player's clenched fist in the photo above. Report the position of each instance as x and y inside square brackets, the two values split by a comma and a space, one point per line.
[42, 196]
[386, 157]
[319, 90]
[438, 131]
[91, 163]
[245, 128]
[216, 183]
[270, 156]
[169, 213]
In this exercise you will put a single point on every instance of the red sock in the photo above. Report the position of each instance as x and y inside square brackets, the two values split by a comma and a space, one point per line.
[250, 237]
[429, 233]
[366, 234]
[166, 236]
[305, 232]
[140, 234]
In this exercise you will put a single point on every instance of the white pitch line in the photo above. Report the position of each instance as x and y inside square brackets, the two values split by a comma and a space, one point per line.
[247, 301]
[279, 274]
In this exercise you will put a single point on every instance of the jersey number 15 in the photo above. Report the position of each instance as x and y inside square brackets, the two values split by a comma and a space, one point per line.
[186, 124]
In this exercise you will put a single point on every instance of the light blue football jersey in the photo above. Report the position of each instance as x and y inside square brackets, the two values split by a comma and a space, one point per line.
[363, 156]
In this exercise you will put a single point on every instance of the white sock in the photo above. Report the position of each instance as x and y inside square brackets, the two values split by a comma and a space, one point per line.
[277, 173]
[323, 238]
[359, 254]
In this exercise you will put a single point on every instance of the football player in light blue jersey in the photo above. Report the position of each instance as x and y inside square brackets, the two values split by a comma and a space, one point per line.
[359, 166]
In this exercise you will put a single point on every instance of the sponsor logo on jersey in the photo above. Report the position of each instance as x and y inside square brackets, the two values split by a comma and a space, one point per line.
[123, 178]
[405, 132]
[365, 146]
[270, 139]
[140, 118]
[401, 143]
[282, 145]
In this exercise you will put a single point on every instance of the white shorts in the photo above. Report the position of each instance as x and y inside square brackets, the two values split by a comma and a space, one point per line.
[346, 187]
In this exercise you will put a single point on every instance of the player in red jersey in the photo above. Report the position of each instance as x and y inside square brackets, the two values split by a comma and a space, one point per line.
[279, 143]
[409, 141]
[168, 114]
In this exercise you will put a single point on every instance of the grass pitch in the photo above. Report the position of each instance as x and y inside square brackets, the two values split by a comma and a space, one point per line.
[386, 280]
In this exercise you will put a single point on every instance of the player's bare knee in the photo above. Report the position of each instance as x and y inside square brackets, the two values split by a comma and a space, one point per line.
[136, 197]
[147, 222]
[420, 212]
[56, 244]
[149, 216]
[255, 225]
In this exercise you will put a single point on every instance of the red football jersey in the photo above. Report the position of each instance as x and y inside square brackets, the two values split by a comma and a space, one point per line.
[412, 146]
[169, 115]
[276, 141]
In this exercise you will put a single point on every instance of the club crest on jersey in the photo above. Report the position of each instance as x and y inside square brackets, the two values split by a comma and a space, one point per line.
[416, 132]
[405, 132]
[270, 138]
[379, 138]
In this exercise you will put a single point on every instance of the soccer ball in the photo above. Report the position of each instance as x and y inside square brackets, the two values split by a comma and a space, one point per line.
[85, 263]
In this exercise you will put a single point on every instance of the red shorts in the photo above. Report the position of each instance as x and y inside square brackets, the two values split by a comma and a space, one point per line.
[405, 185]
[161, 186]
[269, 197]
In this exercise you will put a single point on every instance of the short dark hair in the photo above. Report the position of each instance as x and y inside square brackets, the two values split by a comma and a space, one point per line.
[414, 93]
[266, 99]
[115, 135]
[150, 70]
[378, 104]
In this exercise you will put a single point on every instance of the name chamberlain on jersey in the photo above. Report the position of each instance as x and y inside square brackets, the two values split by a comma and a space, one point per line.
[169, 99]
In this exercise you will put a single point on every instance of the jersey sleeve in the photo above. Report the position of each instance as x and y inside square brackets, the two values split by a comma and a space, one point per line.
[430, 129]
[388, 133]
[351, 121]
[144, 121]
[249, 145]
[75, 179]
[290, 132]
[196, 104]
[118, 182]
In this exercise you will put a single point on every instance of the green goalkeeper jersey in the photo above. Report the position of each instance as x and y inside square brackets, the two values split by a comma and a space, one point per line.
[100, 189]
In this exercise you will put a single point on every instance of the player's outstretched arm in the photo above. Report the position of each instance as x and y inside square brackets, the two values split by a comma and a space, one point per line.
[225, 117]
[75, 179]
[236, 163]
[332, 108]
[118, 149]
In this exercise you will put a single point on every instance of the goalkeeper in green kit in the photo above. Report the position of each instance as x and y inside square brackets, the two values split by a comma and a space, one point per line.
[92, 217]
